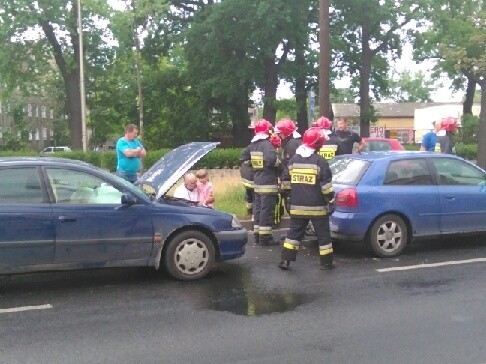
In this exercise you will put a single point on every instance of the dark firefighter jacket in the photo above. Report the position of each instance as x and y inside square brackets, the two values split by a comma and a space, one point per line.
[310, 182]
[264, 162]
[289, 146]
[246, 173]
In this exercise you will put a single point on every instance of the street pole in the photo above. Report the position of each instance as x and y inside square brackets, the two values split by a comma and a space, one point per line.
[81, 80]
[324, 59]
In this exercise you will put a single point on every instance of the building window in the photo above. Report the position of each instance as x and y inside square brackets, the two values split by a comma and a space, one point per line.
[36, 112]
[44, 133]
[43, 112]
[37, 134]
[51, 133]
[31, 136]
[51, 114]
[29, 109]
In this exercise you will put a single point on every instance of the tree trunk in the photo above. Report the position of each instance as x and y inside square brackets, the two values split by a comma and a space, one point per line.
[324, 59]
[469, 100]
[270, 90]
[481, 153]
[300, 91]
[364, 84]
[73, 108]
[241, 132]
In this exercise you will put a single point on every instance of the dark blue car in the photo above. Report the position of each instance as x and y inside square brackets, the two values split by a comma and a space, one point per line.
[64, 214]
[386, 199]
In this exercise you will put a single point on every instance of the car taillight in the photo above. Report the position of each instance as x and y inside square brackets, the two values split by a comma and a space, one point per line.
[347, 198]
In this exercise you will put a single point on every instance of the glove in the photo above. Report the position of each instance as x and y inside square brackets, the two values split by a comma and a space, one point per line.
[330, 208]
[276, 141]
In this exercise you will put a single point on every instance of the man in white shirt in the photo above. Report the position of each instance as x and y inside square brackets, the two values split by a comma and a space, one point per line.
[188, 190]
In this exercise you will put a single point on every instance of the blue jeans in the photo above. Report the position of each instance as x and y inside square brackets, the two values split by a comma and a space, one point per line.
[130, 177]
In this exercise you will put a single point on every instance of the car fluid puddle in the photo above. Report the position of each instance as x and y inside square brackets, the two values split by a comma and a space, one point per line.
[257, 303]
[238, 292]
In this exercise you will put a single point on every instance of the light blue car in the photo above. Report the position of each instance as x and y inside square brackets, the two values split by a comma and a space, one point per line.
[386, 199]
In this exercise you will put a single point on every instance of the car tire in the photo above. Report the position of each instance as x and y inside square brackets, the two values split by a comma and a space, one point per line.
[189, 256]
[388, 236]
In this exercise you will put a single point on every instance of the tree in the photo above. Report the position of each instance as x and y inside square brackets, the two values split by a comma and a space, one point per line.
[457, 39]
[367, 35]
[411, 88]
[43, 33]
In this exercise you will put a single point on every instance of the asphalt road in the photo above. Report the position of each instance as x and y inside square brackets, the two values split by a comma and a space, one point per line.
[248, 311]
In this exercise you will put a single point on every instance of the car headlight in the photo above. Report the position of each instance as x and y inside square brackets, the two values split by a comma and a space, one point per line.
[235, 223]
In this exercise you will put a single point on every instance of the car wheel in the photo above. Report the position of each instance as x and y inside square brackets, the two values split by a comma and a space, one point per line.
[189, 255]
[388, 236]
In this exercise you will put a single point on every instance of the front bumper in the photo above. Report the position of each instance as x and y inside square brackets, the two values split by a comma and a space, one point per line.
[232, 243]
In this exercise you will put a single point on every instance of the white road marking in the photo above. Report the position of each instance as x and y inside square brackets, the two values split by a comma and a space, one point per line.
[432, 265]
[25, 308]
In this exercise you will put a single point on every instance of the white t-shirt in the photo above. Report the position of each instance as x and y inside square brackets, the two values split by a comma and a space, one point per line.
[183, 192]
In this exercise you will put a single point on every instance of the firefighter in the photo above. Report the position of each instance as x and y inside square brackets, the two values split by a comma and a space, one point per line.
[291, 140]
[311, 199]
[445, 136]
[264, 160]
[328, 150]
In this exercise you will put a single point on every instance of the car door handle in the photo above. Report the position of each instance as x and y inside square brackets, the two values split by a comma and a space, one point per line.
[67, 219]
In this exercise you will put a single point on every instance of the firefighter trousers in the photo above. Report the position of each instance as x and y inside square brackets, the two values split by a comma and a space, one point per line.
[296, 234]
[263, 217]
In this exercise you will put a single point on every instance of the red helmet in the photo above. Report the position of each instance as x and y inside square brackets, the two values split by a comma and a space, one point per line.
[323, 123]
[286, 127]
[449, 124]
[263, 126]
[313, 138]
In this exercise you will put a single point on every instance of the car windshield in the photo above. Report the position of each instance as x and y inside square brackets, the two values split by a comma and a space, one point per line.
[348, 171]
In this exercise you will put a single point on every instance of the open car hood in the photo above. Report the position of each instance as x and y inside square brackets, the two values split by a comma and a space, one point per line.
[172, 166]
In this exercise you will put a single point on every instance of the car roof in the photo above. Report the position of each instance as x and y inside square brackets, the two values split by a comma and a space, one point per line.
[396, 154]
[34, 161]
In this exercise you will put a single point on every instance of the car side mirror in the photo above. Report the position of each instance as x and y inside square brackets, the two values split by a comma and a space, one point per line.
[128, 199]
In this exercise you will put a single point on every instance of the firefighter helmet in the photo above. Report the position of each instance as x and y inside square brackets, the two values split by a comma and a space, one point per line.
[313, 138]
[285, 127]
[263, 126]
[448, 124]
[323, 123]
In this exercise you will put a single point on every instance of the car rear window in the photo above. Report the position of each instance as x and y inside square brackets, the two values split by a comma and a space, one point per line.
[377, 146]
[348, 171]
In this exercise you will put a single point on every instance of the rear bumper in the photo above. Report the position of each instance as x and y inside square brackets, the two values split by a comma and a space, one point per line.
[232, 243]
[348, 226]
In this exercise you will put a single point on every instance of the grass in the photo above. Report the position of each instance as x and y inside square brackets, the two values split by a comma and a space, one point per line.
[228, 191]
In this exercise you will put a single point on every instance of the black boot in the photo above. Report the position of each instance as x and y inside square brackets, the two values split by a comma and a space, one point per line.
[328, 266]
[284, 264]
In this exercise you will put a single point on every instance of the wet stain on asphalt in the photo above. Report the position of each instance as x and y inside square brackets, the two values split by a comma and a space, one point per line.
[257, 303]
[240, 293]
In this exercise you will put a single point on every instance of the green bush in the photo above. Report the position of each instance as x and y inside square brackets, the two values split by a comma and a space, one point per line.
[467, 151]
[108, 160]
[412, 147]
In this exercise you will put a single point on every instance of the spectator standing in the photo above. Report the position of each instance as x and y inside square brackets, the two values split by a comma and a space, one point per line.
[429, 141]
[129, 151]
[345, 138]
[204, 188]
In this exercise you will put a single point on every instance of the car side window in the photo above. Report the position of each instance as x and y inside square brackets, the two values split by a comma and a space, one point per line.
[408, 172]
[456, 172]
[78, 187]
[20, 185]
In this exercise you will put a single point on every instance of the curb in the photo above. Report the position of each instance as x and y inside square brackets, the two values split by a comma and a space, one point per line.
[284, 224]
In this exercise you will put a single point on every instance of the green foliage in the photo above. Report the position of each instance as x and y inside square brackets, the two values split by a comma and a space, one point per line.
[469, 130]
[286, 108]
[412, 147]
[467, 151]
[411, 87]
